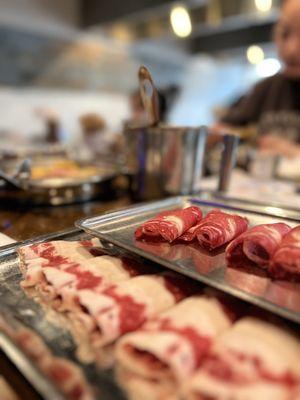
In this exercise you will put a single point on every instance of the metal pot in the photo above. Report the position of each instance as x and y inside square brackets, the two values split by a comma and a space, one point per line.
[165, 159]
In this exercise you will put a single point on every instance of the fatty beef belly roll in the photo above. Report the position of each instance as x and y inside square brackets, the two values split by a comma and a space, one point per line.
[169, 225]
[217, 229]
[285, 262]
[65, 374]
[253, 360]
[257, 245]
[137, 387]
[66, 267]
[62, 285]
[125, 306]
[69, 378]
[52, 254]
[173, 345]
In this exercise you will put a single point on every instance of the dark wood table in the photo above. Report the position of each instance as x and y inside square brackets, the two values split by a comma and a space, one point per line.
[22, 223]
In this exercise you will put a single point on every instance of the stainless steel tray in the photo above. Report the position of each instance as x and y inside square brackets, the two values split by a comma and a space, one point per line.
[253, 286]
[273, 207]
[16, 306]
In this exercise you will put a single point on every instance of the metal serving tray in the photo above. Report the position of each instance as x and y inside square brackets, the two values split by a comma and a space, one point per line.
[251, 285]
[273, 207]
[18, 309]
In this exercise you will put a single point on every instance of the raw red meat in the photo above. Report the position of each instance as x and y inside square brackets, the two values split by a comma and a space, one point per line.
[172, 346]
[65, 374]
[190, 235]
[59, 269]
[253, 360]
[169, 225]
[219, 228]
[125, 306]
[285, 262]
[258, 244]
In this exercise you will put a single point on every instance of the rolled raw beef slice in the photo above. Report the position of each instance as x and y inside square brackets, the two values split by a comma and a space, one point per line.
[219, 228]
[59, 268]
[258, 244]
[190, 235]
[252, 360]
[57, 254]
[69, 379]
[285, 262]
[97, 274]
[169, 225]
[64, 373]
[174, 344]
[124, 307]
[60, 286]
[54, 252]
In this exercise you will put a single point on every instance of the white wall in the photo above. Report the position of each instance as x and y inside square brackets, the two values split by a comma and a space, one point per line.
[18, 109]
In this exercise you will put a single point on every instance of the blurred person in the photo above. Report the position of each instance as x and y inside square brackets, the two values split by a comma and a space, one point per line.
[274, 103]
[54, 132]
[97, 138]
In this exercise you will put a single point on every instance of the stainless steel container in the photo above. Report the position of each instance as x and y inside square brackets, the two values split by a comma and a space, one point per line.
[165, 159]
[228, 160]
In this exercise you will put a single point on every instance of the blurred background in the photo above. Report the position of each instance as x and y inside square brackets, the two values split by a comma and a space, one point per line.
[72, 57]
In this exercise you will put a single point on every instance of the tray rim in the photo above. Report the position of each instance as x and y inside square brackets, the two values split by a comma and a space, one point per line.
[219, 195]
[285, 313]
[211, 199]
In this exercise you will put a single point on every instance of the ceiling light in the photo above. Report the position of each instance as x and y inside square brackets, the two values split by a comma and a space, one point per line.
[263, 5]
[255, 54]
[268, 67]
[181, 21]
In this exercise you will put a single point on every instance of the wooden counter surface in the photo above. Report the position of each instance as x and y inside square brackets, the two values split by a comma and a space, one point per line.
[22, 223]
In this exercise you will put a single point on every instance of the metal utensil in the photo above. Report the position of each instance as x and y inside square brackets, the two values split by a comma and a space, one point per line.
[149, 96]
[227, 161]
[12, 182]
[24, 170]
[20, 180]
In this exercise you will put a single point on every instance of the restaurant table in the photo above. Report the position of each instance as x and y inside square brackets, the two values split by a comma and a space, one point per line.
[20, 222]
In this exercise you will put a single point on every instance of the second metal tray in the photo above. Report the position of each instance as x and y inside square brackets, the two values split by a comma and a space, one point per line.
[252, 285]
[18, 308]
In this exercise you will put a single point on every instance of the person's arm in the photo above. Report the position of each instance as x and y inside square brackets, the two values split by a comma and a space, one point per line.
[246, 111]
[273, 144]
